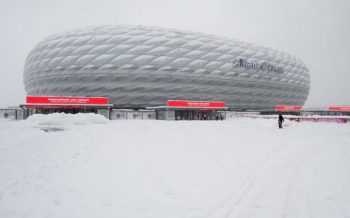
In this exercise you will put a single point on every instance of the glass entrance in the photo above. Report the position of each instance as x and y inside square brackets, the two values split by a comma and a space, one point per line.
[199, 115]
[183, 115]
[188, 115]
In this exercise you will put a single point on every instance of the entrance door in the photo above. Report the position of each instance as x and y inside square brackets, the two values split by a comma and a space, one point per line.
[181, 115]
[196, 115]
[191, 115]
[221, 115]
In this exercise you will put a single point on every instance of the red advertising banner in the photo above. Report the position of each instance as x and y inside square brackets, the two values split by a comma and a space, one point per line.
[195, 104]
[65, 100]
[288, 108]
[55, 106]
[339, 108]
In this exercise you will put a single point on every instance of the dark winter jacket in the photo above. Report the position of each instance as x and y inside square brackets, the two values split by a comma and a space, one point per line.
[280, 118]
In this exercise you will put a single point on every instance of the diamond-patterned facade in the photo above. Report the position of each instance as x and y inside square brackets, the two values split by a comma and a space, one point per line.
[138, 66]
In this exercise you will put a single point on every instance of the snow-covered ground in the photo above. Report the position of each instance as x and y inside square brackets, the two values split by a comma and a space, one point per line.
[157, 169]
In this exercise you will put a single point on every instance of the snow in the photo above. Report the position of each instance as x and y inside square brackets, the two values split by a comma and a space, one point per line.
[62, 119]
[146, 168]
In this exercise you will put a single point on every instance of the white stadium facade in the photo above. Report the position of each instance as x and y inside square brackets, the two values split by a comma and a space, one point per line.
[138, 67]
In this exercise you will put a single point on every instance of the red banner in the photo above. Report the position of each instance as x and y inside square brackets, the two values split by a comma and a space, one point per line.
[55, 106]
[195, 104]
[339, 108]
[65, 100]
[288, 108]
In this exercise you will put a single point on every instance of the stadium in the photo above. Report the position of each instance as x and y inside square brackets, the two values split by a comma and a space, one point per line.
[139, 67]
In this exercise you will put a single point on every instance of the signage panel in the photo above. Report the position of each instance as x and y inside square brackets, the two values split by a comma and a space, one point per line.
[55, 106]
[264, 66]
[65, 100]
[339, 108]
[202, 104]
[288, 108]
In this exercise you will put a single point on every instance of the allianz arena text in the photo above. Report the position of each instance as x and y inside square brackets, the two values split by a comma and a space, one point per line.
[139, 67]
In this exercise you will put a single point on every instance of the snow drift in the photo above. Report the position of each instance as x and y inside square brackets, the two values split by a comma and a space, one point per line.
[62, 119]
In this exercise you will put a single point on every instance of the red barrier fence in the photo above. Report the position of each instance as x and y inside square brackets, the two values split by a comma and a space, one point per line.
[309, 119]
[329, 120]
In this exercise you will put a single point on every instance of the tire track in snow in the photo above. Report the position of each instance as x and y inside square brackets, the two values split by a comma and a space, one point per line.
[231, 205]
[307, 158]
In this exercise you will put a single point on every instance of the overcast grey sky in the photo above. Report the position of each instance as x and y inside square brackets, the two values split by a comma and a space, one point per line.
[316, 31]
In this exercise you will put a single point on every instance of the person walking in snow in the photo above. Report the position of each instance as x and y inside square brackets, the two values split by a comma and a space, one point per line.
[280, 120]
